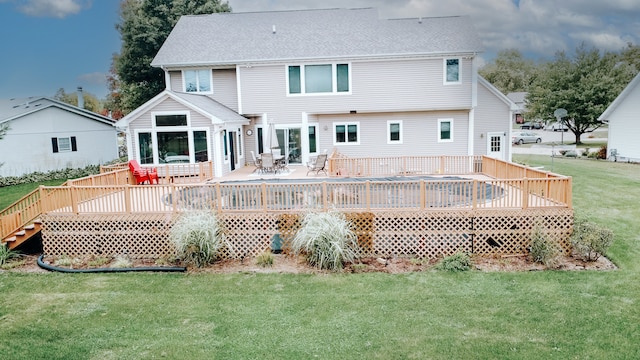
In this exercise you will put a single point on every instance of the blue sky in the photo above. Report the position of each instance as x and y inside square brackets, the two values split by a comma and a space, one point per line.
[52, 44]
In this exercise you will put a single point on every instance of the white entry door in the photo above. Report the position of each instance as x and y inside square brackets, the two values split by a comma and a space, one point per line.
[496, 145]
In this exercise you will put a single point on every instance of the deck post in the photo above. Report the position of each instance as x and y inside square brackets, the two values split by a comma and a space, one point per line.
[218, 197]
[127, 199]
[174, 198]
[263, 186]
[74, 199]
[40, 197]
[474, 192]
[324, 196]
[525, 194]
[368, 195]
[423, 194]
[441, 170]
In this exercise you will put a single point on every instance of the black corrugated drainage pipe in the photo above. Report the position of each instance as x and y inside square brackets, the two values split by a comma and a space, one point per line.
[109, 270]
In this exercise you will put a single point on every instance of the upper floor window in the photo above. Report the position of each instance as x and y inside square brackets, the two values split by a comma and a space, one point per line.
[394, 132]
[445, 130]
[315, 79]
[452, 71]
[346, 133]
[198, 81]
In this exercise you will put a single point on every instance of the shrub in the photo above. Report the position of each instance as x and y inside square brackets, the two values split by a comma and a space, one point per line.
[602, 152]
[198, 237]
[543, 249]
[589, 240]
[37, 177]
[6, 254]
[455, 263]
[265, 259]
[327, 240]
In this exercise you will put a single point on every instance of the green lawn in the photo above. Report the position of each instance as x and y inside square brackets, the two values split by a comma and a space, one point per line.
[11, 194]
[430, 315]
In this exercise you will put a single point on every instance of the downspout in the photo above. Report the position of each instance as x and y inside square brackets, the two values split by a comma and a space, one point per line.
[239, 89]
[474, 104]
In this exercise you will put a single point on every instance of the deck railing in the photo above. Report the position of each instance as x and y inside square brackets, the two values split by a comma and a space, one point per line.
[412, 195]
[404, 165]
[513, 186]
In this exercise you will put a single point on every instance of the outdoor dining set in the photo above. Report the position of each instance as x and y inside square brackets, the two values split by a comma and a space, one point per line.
[269, 162]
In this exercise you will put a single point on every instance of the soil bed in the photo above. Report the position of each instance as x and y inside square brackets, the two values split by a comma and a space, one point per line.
[296, 264]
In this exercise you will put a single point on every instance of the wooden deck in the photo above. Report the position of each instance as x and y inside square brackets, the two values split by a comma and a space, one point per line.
[483, 184]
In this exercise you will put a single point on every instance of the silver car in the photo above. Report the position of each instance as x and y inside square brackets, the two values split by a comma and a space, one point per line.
[520, 138]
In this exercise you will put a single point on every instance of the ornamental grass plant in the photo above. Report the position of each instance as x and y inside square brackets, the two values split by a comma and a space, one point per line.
[198, 237]
[327, 240]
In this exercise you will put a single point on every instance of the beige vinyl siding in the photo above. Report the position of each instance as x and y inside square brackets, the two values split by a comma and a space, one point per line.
[419, 133]
[376, 86]
[225, 88]
[176, 81]
[491, 115]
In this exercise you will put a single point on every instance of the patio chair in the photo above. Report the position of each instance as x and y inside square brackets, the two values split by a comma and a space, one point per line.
[256, 162]
[320, 164]
[268, 165]
[142, 175]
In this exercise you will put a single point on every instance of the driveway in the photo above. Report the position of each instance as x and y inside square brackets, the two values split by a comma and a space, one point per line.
[552, 140]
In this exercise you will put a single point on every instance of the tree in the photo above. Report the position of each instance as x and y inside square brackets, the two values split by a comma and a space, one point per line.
[144, 26]
[583, 85]
[510, 71]
[91, 102]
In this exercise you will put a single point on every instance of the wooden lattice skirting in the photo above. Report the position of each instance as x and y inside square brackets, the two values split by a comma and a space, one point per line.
[426, 234]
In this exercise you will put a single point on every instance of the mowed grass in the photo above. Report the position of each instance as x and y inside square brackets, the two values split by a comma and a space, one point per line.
[429, 315]
[11, 194]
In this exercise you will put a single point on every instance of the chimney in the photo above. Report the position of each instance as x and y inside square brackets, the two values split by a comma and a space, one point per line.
[80, 98]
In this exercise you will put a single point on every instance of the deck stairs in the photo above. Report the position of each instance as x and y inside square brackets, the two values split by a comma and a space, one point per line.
[23, 235]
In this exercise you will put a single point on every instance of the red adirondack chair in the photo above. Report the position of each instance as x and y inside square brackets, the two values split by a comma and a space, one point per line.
[143, 175]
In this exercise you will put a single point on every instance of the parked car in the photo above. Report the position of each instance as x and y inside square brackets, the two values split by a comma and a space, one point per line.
[525, 137]
[556, 126]
[529, 125]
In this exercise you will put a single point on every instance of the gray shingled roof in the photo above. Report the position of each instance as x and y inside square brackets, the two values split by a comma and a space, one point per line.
[16, 107]
[235, 38]
[211, 106]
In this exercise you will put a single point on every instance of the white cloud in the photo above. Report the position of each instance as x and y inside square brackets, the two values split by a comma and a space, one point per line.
[52, 8]
[539, 28]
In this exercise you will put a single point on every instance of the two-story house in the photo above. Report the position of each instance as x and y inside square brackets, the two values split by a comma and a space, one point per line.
[318, 80]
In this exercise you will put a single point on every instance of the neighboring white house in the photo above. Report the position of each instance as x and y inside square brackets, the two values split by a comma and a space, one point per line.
[623, 117]
[45, 134]
[518, 98]
[319, 80]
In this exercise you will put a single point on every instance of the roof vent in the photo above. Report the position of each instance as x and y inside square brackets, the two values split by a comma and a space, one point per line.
[273, 29]
[420, 20]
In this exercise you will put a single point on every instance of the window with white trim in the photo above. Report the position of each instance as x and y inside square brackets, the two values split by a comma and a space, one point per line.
[197, 81]
[452, 71]
[346, 133]
[445, 130]
[63, 144]
[394, 132]
[318, 79]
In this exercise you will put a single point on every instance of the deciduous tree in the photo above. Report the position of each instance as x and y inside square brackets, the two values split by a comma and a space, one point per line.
[510, 71]
[91, 102]
[584, 84]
